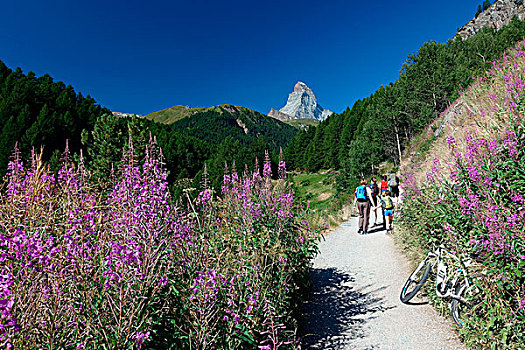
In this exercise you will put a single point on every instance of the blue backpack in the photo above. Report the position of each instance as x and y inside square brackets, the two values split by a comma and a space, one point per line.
[360, 192]
[374, 188]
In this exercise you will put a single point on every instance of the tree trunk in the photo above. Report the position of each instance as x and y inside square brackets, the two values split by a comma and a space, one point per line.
[398, 143]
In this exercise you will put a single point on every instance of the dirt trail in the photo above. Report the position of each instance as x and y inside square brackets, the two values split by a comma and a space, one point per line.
[355, 303]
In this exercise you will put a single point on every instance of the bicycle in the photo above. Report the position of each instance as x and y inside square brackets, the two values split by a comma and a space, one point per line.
[456, 286]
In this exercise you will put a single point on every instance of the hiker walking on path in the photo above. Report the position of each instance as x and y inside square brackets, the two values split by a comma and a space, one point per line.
[375, 192]
[384, 188]
[388, 209]
[384, 185]
[393, 183]
[363, 196]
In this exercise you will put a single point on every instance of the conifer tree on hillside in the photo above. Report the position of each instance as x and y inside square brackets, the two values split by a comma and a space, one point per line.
[331, 143]
[38, 112]
[481, 8]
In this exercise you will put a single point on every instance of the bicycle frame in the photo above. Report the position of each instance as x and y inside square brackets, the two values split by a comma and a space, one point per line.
[453, 281]
[446, 281]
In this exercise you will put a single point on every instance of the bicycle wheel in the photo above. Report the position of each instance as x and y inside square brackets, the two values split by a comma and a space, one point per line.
[415, 281]
[463, 309]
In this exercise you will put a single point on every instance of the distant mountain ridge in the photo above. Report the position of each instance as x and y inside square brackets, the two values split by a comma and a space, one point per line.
[301, 104]
[497, 16]
[175, 113]
[213, 124]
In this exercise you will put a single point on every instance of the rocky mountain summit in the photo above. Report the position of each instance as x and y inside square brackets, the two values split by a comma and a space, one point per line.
[496, 16]
[301, 104]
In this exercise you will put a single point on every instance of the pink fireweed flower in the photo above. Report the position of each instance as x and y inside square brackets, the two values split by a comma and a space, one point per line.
[163, 281]
[203, 199]
[511, 147]
[141, 337]
[234, 177]
[226, 179]
[513, 220]
[267, 167]
[474, 174]
[493, 146]
[451, 142]
[282, 169]
[468, 208]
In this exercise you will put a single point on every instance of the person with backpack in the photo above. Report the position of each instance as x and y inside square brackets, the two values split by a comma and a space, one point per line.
[393, 183]
[388, 206]
[363, 196]
[384, 185]
[375, 192]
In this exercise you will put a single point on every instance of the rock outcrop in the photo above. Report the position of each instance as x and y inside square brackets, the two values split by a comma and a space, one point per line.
[279, 115]
[301, 104]
[126, 115]
[496, 16]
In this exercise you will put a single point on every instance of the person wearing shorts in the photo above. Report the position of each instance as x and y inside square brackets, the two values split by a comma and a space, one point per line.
[388, 205]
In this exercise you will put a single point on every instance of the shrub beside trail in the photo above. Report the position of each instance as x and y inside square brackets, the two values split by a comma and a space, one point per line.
[127, 268]
[474, 198]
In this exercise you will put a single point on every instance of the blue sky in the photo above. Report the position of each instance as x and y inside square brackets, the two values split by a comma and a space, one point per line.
[144, 56]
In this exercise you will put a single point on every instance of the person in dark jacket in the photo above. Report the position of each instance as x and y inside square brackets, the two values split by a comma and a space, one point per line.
[374, 188]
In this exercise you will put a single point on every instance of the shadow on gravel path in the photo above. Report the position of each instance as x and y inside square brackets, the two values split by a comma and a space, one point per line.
[337, 312]
[354, 298]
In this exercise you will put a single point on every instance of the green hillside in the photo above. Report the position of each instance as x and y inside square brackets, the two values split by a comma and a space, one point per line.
[175, 113]
[214, 124]
[215, 136]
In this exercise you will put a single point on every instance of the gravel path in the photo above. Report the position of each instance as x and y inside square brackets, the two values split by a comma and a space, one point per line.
[354, 302]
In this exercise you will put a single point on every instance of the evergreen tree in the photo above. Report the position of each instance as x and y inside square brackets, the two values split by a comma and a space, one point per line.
[40, 112]
[104, 146]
